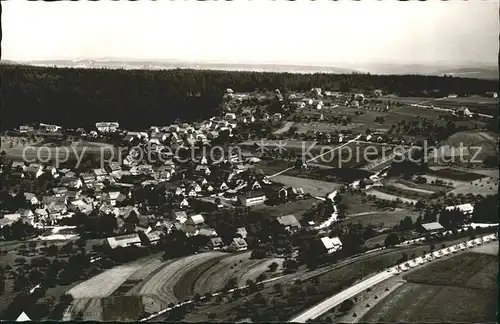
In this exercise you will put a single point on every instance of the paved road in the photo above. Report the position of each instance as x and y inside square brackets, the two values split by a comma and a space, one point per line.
[331, 302]
[321, 308]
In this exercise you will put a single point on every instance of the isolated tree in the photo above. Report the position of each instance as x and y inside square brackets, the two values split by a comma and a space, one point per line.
[346, 306]
[273, 267]
[391, 240]
[261, 277]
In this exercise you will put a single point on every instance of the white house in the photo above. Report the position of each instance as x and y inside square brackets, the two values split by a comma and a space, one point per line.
[467, 209]
[105, 127]
[252, 198]
[331, 244]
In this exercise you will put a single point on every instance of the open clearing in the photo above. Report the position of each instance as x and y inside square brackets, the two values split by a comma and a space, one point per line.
[390, 197]
[387, 218]
[454, 174]
[419, 303]
[18, 148]
[106, 283]
[458, 289]
[296, 208]
[485, 186]
[313, 187]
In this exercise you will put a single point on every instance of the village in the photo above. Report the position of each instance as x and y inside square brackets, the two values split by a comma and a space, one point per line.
[172, 192]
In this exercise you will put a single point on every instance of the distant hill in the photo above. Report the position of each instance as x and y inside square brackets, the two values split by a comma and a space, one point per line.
[479, 72]
[173, 64]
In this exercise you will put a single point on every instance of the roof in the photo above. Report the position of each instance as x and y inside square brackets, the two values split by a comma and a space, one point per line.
[288, 220]
[462, 207]
[242, 231]
[331, 242]
[197, 219]
[254, 194]
[23, 318]
[123, 240]
[207, 232]
[154, 236]
[432, 226]
[239, 242]
[216, 240]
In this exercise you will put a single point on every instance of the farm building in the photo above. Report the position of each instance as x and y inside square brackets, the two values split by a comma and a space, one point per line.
[123, 241]
[252, 198]
[289, 222]
[433, 227]
[467, 209]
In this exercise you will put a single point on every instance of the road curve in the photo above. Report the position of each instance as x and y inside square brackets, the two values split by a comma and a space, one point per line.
[331, 302]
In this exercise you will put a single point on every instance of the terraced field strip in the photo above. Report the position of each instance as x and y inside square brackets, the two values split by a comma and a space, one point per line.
[104, 284]
[89, 308]
[160, 287]
[185, 287]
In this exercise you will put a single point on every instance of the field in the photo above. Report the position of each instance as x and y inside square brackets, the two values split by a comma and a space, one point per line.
[455, 174]
[313, 187]
[238, 266]
[295, 298]
[149, 284]
[474, 103]
[458, 289]
[388, 196]
[158, 291]
[20, 148]
[485, 186]
[387, 218]
[410, 190]
[325, 127]
[296, 208]
[476, 146]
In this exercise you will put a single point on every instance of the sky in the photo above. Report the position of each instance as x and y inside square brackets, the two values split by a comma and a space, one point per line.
[257, 31]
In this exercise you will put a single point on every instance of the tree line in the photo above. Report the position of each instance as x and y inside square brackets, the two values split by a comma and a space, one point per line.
[138, 98]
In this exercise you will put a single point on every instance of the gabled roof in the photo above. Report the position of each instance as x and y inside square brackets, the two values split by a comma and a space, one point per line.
[288, 220]
[197, 219]
[242, 231]
[123, 240]
[254, 194]
[216, 241]
[331, 242]
[239, 242]
[463, 208]
[23, 318]
[434, 226]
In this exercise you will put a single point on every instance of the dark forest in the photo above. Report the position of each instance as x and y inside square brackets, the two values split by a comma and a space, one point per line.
[139, 98]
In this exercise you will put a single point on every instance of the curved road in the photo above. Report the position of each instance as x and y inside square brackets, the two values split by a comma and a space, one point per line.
[321, 308]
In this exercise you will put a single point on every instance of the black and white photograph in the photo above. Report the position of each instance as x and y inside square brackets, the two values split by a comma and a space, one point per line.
[249, 161]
